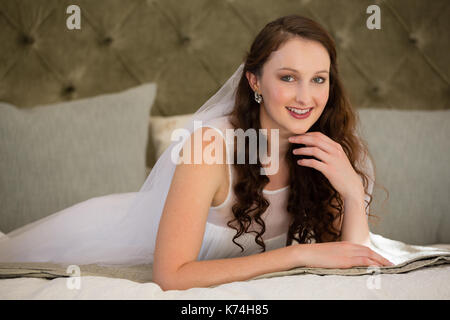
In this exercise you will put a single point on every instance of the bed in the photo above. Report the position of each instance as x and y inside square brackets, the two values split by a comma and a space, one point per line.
[104, 97]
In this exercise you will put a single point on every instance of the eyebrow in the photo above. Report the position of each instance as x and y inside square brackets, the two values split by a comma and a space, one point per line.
[286, 68]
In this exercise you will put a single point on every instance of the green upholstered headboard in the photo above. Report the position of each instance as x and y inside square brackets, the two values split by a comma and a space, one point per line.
[190, 47]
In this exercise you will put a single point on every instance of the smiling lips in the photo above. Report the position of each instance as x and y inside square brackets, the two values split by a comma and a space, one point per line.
[298, 109]
[299, 113]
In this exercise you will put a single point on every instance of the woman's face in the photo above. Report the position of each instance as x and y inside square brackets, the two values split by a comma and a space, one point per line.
[305, 84]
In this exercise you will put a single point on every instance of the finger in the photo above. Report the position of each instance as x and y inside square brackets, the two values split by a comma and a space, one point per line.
[312, 163]
[311, 140]
[365, 251]
[374, 263]
[325, 138]
[379, 258]
[362, 261]
[313, 151]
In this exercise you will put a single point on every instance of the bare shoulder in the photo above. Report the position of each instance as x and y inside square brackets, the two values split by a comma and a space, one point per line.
[205, 162]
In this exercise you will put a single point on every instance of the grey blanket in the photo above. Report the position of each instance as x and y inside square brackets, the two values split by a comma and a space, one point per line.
[406, 258]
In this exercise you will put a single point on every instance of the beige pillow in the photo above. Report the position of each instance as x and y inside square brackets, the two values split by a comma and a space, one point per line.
[162, 128]
[56, 155]
[411, 154]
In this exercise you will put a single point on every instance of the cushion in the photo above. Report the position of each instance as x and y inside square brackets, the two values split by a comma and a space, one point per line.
[411, 155]
[161, 130]
[54, 156]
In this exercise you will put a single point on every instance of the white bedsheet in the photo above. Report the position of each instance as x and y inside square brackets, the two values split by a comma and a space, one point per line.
[425, 283]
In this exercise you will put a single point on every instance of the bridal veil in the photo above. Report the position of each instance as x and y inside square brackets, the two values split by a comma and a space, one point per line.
[117, 229]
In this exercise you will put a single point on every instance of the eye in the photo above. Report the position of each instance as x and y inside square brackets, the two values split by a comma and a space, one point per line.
[287, 77]
[322, 80]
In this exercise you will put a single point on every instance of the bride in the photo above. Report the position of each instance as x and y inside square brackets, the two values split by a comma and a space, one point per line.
[204, 224]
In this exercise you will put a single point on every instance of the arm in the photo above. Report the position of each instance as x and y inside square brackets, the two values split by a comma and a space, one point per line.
[334, 164]
[355, 227]
[214, 272]
[353, 224]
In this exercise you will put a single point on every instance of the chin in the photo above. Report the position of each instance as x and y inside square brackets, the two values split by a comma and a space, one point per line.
[299, 126]
[298, 129]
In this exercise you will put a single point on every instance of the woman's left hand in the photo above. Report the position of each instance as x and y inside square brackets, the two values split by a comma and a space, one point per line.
[334, 163]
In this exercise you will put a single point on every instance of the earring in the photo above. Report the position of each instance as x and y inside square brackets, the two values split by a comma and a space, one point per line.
[258, 97]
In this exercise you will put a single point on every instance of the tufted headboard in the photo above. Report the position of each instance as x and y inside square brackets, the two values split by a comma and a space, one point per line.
[189, 48]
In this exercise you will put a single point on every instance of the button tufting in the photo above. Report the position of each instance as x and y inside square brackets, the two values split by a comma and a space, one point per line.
[68, 90]
[412, 39]
[26, 39]
[185, 39]
[341, 38]
[337, 38]
[376, 90]
[106, 41]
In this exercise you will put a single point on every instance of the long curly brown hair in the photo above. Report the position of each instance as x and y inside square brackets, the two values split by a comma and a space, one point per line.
[313, 202]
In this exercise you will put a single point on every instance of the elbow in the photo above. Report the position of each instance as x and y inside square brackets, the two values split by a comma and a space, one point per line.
[170, 284]
[165, 282]
[168, 280]
[163, 278]
[164, 287]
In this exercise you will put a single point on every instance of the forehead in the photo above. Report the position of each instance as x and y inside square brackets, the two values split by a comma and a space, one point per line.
[300, 54]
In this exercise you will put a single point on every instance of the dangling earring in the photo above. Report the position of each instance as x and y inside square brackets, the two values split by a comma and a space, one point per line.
[258, 97]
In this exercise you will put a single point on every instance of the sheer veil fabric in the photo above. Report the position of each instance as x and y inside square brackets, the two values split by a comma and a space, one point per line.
[117, 229]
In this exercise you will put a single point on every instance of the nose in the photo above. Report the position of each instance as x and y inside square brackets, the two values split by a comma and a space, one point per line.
[303, 95]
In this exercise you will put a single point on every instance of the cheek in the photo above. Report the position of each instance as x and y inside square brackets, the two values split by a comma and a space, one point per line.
[322, 97]
[279, 96]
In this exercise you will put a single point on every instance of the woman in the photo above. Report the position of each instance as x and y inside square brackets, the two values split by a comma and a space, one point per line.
[291, 67]
[204, 224]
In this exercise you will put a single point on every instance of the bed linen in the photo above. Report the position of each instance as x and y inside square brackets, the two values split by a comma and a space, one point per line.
[423, 284]
[420, 272]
